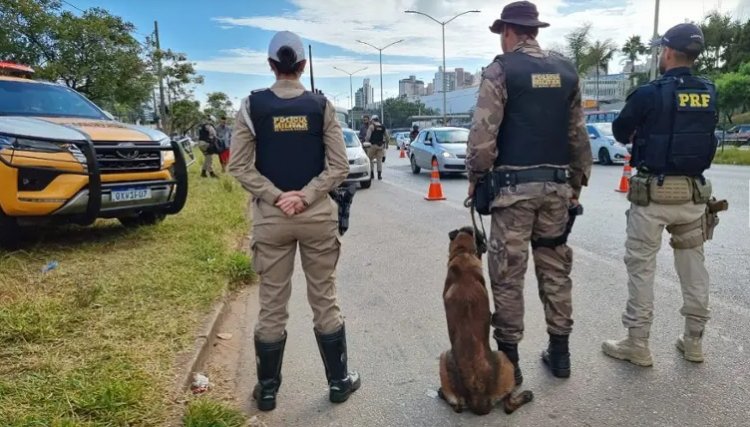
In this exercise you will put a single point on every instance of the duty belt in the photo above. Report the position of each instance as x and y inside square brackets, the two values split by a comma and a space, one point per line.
[507, 178]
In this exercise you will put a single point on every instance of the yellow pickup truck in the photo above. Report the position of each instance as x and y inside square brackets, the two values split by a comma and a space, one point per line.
[64, 160]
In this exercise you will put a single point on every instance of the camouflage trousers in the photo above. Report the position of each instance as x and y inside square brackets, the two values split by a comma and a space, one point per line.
[513, 228]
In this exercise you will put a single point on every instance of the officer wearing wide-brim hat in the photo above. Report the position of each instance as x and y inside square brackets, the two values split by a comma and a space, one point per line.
[529, 136]
[671, 123]
[288, 151]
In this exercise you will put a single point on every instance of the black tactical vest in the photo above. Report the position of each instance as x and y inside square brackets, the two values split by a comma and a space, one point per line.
[290, 151]
[378, 134]
[537, 114]
[681, 140]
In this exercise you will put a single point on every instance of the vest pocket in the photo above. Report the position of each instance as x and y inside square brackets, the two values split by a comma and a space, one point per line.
[691, 153]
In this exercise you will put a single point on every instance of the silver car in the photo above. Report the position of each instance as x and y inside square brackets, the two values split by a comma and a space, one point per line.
[447, 145]
[359, 164]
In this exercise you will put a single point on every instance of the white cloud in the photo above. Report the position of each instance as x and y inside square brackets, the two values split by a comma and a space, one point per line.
[341, 22]
[254, 62]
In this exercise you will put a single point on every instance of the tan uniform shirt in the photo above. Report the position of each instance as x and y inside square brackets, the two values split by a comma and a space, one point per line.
[242, 165]
[488, 117]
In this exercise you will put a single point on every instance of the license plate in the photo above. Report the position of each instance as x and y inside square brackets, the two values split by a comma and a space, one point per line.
[130, 194]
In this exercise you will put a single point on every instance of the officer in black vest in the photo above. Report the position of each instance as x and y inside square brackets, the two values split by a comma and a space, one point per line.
[529, 139]
[377, 136]
[671, 123]
[288, 151]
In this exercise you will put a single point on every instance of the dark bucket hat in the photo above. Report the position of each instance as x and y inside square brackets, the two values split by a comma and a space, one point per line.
[521, 13]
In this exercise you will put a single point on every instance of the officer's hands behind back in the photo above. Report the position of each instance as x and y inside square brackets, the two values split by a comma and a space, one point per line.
[291, 203]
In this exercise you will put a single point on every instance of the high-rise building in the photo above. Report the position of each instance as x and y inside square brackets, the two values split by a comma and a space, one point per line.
[365, 95]
[460, 77]
[450, 81]
[411, 87]
[430, 89]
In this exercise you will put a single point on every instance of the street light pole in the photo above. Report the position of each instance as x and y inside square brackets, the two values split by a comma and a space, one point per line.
[445, 87]
[351, 91]
[381, 49]
[654, 55]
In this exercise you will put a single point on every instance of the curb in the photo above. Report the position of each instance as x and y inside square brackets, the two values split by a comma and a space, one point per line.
[203, 342]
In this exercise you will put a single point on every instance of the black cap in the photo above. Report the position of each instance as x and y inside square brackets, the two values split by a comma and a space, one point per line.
[521, 13]
[687, 38]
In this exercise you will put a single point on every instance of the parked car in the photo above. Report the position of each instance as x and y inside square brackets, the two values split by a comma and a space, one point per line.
[601, 116]
[402, 140]
[360, 170]
[738, 135]
[604, 148]
[65, 160]
[447, 145]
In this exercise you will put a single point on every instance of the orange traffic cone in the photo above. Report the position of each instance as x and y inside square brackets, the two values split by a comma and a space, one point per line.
[627, 172]
[403, 153]
[436, 188]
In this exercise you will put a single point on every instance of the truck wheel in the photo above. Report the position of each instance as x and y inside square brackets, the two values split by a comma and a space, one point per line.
[141, 219]
[10, 232]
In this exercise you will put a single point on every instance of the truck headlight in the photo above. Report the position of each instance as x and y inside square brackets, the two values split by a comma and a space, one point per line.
[448, 155]
[166, 156]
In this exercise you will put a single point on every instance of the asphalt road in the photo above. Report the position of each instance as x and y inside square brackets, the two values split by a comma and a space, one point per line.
[390, 282]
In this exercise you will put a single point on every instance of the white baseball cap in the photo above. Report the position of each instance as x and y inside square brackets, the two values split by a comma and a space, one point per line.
[286, 39]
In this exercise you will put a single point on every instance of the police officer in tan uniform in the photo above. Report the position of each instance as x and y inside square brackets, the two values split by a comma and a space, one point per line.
[529, 139]
[377, 136]
[671, 123]
[288, 152]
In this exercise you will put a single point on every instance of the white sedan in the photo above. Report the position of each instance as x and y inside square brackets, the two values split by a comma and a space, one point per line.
[604, 148]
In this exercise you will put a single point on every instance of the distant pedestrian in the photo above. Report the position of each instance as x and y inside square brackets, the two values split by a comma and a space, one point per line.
[365, 126]
[208, 144]
[377, 135]
[224, 135]
[414, 133]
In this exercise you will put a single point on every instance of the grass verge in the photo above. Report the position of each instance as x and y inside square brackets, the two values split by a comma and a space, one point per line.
[732, 156]
[206, 413]
[94, 341]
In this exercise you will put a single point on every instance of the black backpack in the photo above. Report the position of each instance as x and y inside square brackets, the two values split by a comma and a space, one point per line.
[203, 134]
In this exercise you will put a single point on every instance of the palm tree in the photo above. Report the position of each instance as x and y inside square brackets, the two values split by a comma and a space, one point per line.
[598, 56]
[578, 43]
[634, 49]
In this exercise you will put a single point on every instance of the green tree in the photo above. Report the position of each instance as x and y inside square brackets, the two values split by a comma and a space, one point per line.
[719, 32]
[219, 105]
[734, 92]
[738, 52]
[398, 111]
[179, 74]
[578, 45]
[185, 114]
[633, 50]
[598, 55]
[26, 30]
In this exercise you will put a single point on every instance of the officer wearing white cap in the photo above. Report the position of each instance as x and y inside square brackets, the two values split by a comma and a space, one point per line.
[671, 123]
[288, 151]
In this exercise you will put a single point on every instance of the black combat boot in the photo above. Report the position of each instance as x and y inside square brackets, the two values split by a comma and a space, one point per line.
[511, 350]
[380, 176]
[341, 382]
[213, 175]
[557, 356]
[203, 174]
[268, 358]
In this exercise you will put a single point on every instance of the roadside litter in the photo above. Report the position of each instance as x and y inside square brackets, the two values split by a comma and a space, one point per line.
[200, 384]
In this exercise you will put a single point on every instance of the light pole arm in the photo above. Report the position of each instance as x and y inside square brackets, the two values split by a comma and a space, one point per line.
[368, 44]
[424, 14]
[394, 43]
[461, 14]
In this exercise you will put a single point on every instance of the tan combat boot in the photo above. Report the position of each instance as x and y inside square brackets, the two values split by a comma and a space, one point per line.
[691, 348]
[634, 350]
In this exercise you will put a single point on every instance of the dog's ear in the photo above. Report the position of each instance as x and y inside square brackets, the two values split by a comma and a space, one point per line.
[468, 230]
[453, 234]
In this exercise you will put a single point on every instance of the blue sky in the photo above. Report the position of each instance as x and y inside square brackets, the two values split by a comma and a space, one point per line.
[228, 39]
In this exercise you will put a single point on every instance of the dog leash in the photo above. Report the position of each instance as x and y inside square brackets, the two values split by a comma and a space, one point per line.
[479, 235]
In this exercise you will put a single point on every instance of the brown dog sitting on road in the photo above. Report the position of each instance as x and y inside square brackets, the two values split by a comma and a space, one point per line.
[471, 374]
